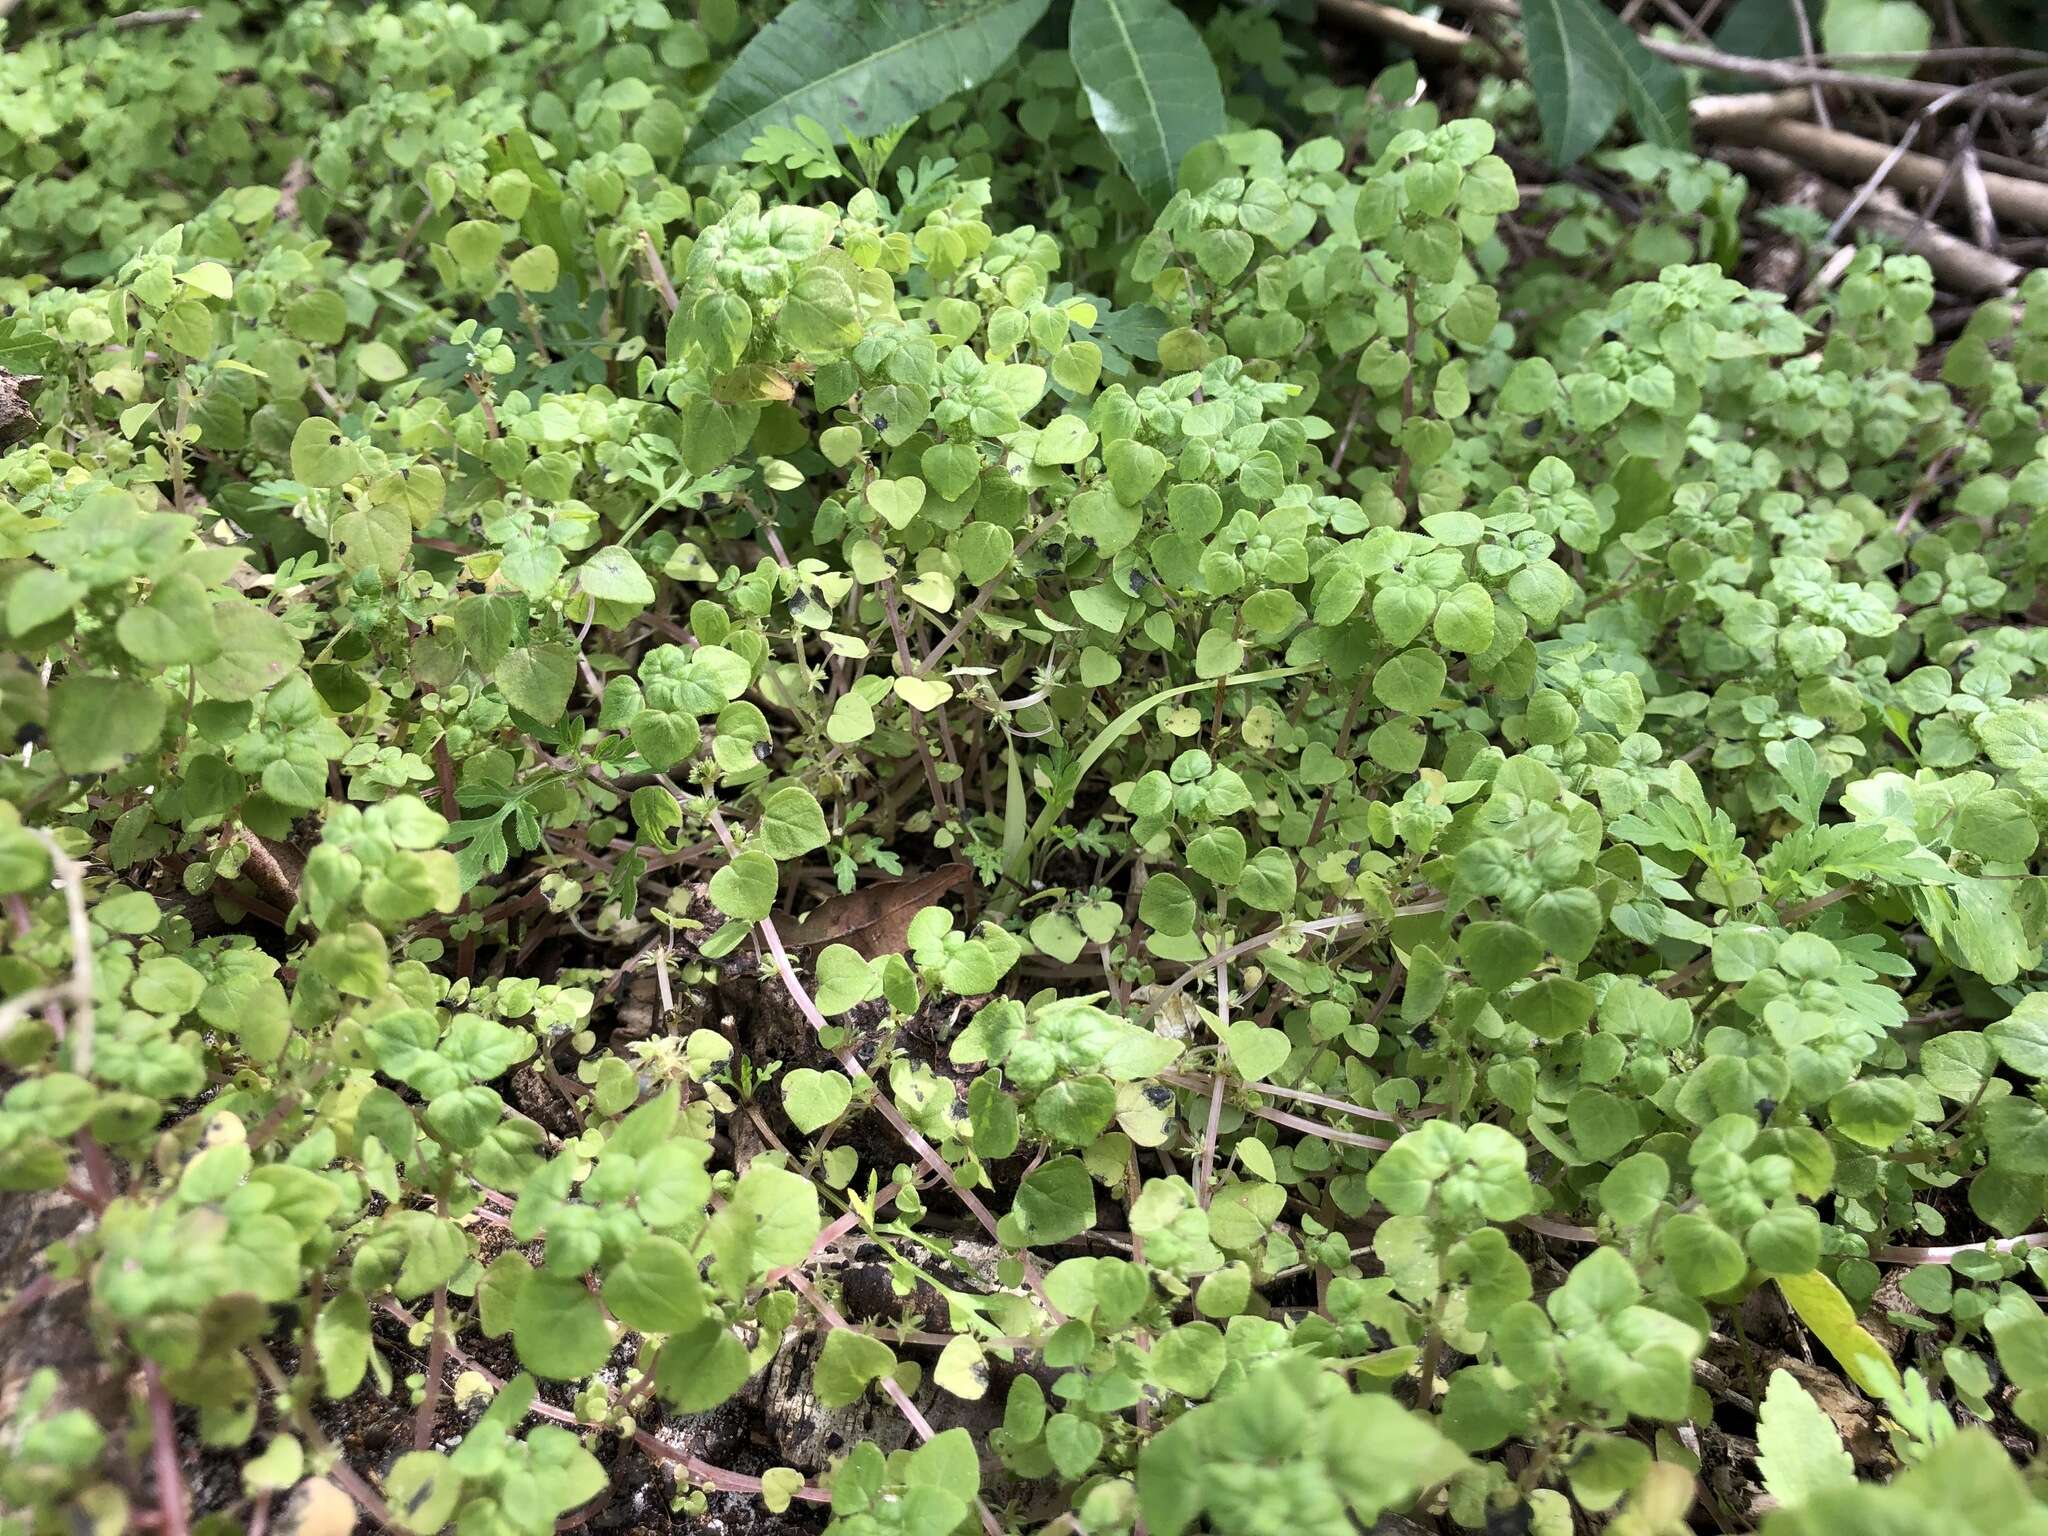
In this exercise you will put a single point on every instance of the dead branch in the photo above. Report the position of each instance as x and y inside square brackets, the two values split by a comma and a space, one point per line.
[1778, 72]
[1850, 156]
[1956, 263]
[1447, 45]
[178, 17]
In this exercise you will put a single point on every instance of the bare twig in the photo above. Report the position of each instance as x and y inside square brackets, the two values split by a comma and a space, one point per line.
[1953, 1251]
[658, 272]
[1977, 197]
[1448, 45]
[1710, 113]
[1957, 263]
[1820, 105]
[1302, 1123]
[1829, 274]
[1559, 1229]
[1369, 15]
[1426, 39]
[297, 177]
[77, 989]
[911, 1137]
[1194, 1082]
[176, 17]
[1205, 1167]
[1846, 154]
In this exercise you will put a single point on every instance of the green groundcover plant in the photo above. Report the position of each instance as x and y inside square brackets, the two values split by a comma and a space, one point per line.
[1341, 808]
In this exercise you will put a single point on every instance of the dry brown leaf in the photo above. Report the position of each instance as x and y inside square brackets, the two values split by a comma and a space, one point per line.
[274, 868]
[874, 920]
[1853, 1415]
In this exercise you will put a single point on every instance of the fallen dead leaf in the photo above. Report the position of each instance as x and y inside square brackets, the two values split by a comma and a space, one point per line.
[1854, 1416]
[873, 920]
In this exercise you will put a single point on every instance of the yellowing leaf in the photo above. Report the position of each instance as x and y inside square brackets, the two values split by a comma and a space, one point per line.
[1826, 1311]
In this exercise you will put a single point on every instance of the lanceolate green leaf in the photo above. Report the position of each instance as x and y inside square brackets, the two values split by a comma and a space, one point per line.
[1586, 67]
[858, 66]
[1150, 83]
[1056, 805]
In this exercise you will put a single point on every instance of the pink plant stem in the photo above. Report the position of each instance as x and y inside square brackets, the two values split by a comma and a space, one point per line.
[1944, 1255]
[28, 1296]
[437, 1366]
[702, 1471]
[832, 1233]
[926, 1152]
[170, 1486]
[912, 1415]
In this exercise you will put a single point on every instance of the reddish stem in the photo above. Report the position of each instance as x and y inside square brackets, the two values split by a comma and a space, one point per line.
[437, 1365]
[170, 1486]
[1944, 1255]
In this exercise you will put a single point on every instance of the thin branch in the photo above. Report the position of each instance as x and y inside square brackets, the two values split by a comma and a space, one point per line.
[78, 989]
[170, 1485]
[1820, 105]
[437, 1366]
[1332, 924]
[1317, 1128]
[658, 272]
[832, 1233]
[1205, 1169]
[1956, 263]
[177, 17]
[339, 1472]
[1195, 1082]
[1563, 1230]
[1977, 197]
[1847, 154]
[1948, 1254]
[982, 599]
[926, 1152]
[1369, 15]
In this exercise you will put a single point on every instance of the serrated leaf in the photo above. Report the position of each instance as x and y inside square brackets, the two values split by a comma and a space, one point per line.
[792, 824]
[559, 1328]
[1800, 1450]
